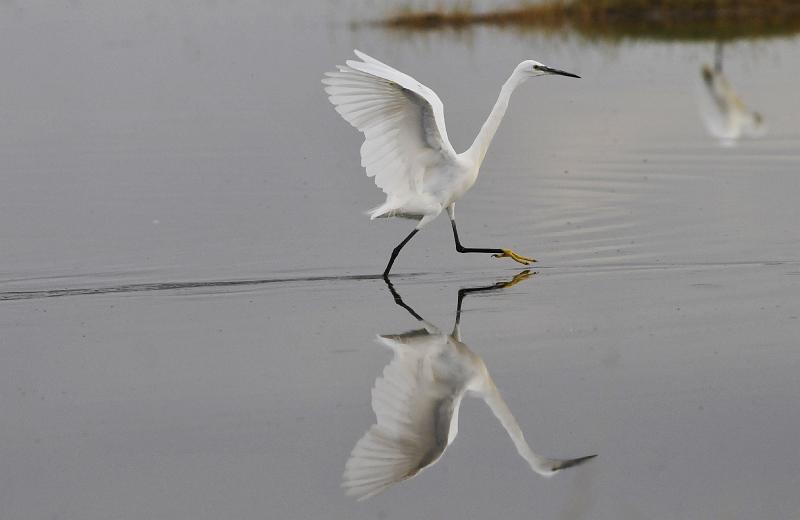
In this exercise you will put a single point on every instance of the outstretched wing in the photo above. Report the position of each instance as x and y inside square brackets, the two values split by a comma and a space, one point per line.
[413, 421]
[402, 121]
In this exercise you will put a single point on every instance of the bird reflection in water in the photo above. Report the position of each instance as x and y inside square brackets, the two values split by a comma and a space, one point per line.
[416, 402]
[726, 116]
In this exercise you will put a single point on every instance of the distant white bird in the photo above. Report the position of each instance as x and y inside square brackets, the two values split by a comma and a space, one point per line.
[406, 147]
[416, 403]
[726, 116]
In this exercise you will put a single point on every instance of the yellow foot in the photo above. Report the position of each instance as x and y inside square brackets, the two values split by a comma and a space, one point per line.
[524, 275]
[514, 256]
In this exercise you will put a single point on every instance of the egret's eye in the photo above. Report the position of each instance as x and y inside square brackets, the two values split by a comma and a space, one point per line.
[366, 94]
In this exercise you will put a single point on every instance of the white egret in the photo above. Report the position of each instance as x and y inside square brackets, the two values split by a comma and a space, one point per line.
[406, 148]
[726, 116]
[416, 403]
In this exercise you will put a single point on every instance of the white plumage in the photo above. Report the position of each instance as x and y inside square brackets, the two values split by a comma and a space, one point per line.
[416, 402]
[403, 125]
[726, 116]
[406, 148]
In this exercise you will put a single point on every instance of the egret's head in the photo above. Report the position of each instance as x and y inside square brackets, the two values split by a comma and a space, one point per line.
[531, 68]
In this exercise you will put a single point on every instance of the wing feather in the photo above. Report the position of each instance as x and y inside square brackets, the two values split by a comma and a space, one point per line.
[402, 121]
[407, 435]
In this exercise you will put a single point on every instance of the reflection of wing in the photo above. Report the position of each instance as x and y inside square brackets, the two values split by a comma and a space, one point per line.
[402, 121]
[413, 420]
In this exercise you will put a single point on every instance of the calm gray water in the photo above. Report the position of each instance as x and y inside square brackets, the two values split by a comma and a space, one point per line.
[188, 328]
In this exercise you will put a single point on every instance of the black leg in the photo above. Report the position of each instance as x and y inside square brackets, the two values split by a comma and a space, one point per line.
[396, 251]
[522, 275]
[498, 253]
[466, 290]
[462, 293]
[462, 249]
[399, 301]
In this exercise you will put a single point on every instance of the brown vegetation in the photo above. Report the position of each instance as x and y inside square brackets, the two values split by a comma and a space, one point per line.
[662, 19]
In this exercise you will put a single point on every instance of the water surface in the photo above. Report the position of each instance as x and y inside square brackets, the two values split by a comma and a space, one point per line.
[175, 176]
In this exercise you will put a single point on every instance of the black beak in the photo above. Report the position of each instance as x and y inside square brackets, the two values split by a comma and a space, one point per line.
[556, 71]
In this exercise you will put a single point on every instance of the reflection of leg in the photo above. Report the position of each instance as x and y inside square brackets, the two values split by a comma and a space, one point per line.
[399, 301]
[523, 275]
[396, 251]
[718, 56]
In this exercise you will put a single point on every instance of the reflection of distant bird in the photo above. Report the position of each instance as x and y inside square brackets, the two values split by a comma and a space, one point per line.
[406, 147]
[416, 402]
[726, 116]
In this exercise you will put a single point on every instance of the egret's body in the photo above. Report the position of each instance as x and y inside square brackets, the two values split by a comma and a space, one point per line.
[416, 403]
[406, 148]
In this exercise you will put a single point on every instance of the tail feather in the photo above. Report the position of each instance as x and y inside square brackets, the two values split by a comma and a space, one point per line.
[384, 210]
[390, 209]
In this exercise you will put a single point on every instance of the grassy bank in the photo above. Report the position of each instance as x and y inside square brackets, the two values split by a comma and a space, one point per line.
[661, 19]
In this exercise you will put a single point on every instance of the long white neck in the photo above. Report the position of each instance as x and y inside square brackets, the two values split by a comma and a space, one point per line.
[500, 409]
[542, 465]
[481, 144]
